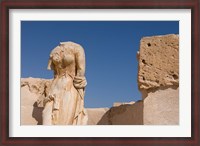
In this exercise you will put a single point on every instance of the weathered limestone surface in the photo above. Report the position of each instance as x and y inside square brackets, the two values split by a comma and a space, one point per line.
[158, 79]
[27, 105]
[33, 90]
[97, 114]
[123, 114]
[127, 114]
[162, 107]
[158, 61]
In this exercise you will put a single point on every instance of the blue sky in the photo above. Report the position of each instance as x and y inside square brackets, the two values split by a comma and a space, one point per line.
[110, 48]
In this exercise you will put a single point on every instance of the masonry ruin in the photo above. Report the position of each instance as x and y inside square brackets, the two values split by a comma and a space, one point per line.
[158, 81]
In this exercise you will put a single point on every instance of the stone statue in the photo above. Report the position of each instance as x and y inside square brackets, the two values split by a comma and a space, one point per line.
[64, 104]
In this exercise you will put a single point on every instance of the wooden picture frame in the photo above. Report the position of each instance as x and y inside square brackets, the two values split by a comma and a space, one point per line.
[100, 4]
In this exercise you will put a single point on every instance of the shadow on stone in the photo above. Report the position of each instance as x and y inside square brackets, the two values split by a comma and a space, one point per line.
[37, 113]
[153, 90]
[127, 114]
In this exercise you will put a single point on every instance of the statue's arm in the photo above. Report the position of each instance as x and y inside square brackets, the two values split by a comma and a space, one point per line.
[80, 62]
[51, 66]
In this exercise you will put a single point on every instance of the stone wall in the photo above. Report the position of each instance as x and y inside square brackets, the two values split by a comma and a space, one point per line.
[33, 90]
[158, 62]
[97, 114]
[124, 114]
[158, 78]
[162, 107]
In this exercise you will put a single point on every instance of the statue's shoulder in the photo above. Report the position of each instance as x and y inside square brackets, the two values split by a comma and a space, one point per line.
[77, 48]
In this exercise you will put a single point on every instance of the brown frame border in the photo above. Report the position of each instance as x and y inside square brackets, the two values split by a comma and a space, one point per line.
[101, 4]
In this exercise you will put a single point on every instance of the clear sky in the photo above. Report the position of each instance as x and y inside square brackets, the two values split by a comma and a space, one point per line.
[110, 48]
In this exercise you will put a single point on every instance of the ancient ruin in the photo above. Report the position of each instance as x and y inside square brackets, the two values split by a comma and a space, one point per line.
[158, 81]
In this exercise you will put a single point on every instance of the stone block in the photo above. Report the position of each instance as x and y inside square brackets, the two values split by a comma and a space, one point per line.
[158, 61]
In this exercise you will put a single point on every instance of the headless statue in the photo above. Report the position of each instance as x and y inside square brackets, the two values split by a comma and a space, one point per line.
[64, 105]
